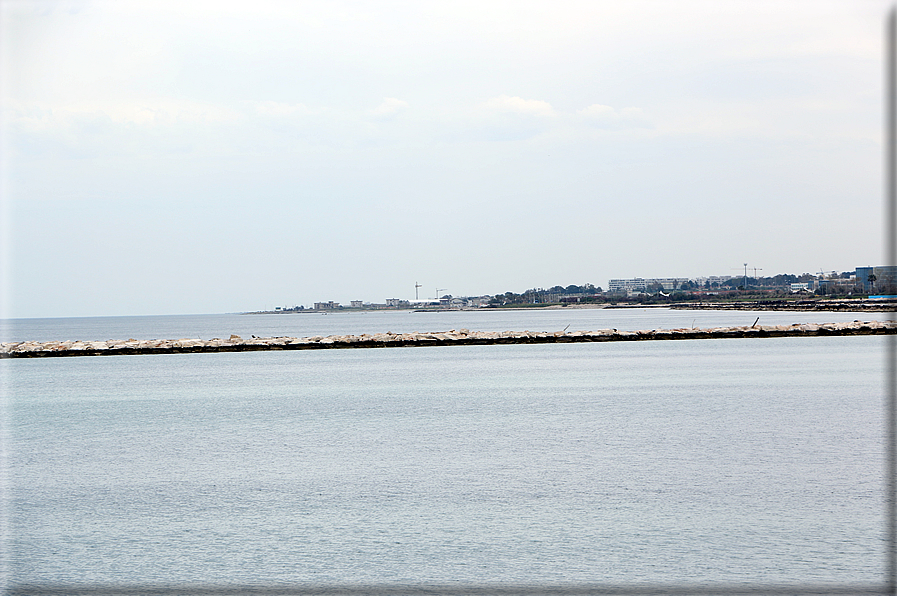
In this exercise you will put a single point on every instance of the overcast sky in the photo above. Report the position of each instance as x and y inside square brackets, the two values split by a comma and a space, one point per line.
[201, 157]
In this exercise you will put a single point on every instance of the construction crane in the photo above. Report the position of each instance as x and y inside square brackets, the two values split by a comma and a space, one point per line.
[437, 292]
[416, 286]
[756, 269]
[821, 278]
[745, 273]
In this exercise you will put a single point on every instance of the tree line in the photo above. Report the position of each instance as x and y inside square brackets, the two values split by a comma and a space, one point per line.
[778, 286]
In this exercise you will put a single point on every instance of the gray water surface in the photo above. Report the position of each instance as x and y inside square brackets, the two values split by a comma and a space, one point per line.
[743, 460]
[307, 324]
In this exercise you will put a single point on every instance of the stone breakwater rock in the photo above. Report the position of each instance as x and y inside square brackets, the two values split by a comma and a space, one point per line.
[35, 349]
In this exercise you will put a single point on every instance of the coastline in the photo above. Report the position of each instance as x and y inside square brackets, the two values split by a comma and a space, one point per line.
[861, 305]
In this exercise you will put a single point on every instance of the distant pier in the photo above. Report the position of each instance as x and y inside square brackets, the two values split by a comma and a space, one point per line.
[463, 337]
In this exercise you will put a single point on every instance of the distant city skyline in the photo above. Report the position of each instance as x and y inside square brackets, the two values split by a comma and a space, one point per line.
[858, 275]
[174, 158]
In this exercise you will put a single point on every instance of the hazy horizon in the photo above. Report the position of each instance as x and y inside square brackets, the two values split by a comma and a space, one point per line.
[173, 158]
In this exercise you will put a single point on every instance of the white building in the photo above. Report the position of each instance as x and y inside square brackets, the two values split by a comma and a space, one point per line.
[668, 283]
[627, 286]
[712, 281]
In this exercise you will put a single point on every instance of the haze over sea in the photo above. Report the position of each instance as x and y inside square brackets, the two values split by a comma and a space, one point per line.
[724, 461]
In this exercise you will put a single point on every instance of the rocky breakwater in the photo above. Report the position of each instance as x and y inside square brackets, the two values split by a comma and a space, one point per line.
[463, 337]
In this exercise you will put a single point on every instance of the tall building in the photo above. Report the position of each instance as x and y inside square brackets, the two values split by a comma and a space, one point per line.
[885, 279]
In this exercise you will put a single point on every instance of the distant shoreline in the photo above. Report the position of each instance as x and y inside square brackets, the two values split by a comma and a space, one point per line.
[861, 305]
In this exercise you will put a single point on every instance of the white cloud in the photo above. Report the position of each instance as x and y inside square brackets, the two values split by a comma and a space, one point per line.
[507, 118]
[95, 129]
[275, 108]
[598, 111]
[603, 116]
[146, 113]
[390, 108]
[518, 105]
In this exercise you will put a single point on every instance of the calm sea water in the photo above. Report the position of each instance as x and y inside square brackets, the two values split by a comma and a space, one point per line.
[341, 323]
[731, 461]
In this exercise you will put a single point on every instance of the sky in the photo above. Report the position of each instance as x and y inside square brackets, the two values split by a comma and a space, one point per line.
[206, 157]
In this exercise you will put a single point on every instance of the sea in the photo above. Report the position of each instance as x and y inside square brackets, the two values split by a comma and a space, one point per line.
[730, 462]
